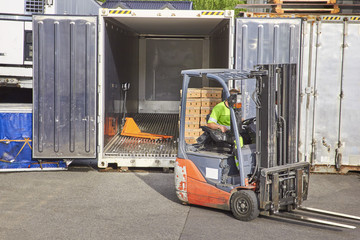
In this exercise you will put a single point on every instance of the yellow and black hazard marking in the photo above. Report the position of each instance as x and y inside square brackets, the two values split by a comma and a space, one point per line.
[355, 18]
[213, 13]
[332, 18]
[119, 11]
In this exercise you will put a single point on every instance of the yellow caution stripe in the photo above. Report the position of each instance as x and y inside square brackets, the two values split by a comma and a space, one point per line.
[332, 18]
[120, 11]
[355, 18]
[212, 13]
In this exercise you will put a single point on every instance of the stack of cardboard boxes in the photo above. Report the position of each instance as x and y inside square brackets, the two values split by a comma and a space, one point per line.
[200, 102]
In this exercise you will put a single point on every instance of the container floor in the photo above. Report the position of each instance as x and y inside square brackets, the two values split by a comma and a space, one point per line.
[164, 124]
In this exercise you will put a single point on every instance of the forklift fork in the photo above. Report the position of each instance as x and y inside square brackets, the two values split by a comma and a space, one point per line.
[296, 216]
[284, 188]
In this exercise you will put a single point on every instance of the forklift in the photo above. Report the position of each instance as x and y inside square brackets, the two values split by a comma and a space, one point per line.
[253, 168]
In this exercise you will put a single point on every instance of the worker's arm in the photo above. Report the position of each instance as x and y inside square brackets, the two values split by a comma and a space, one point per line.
[215, 126]
[214, 116]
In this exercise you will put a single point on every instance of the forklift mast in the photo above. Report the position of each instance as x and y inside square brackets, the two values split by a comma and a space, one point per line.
[283, 180]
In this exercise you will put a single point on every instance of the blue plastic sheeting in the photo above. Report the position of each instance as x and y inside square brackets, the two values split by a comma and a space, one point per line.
[16, 144]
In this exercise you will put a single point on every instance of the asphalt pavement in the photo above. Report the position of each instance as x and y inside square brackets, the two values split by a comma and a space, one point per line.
[84, 203]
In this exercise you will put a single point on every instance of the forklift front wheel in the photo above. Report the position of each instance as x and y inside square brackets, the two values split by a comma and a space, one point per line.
[244, 205]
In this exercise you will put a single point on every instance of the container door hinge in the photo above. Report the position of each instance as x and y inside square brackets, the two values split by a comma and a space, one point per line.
[308, 90]
[341, 94]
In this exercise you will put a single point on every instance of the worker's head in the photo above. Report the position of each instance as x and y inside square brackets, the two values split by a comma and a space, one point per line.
[232, 99]
[234, 91]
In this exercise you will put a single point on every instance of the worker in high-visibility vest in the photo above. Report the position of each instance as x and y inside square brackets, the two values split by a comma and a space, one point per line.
[220, 115]
[220, 119]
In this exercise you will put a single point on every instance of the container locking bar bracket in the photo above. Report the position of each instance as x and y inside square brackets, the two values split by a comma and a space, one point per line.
[125, 87]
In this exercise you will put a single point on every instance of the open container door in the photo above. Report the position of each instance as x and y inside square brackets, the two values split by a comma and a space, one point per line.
[64, 90]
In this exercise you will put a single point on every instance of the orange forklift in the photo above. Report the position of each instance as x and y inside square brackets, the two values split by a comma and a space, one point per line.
[253, 168]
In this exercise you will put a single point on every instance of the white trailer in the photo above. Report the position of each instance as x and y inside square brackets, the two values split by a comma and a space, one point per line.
[16, 53]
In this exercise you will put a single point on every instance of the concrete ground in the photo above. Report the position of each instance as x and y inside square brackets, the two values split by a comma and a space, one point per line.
[83, 203]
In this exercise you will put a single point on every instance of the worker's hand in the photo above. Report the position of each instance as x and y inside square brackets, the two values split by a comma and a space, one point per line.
[223, 128]
[215, 126]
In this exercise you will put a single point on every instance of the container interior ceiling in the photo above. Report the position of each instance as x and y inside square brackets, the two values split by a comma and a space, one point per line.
[149, 53]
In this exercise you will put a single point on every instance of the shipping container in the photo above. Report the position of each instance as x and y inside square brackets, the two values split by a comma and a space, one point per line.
[328, 72]
[83, 62]
[146, 48]
[16, 60]
[329, 139]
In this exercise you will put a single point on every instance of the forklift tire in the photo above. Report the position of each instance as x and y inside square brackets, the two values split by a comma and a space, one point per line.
[244, 205]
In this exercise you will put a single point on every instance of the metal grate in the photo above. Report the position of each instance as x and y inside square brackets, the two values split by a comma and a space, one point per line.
[166, 124]
[34, 6]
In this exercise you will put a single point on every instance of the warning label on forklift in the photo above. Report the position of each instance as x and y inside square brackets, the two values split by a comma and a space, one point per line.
[212, 173]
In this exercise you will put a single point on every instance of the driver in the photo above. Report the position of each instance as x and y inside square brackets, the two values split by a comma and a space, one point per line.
[220, 115]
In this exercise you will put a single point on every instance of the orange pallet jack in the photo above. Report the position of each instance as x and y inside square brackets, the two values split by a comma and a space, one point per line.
[128, 125]
[131, 129]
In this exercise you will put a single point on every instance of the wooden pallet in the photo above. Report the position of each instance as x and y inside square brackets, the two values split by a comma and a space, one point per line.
[297, 8]
[304, 1]
[307, 8]
[280, 15]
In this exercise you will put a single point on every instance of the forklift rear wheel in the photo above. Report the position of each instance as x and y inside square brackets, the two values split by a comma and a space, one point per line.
[244, 205]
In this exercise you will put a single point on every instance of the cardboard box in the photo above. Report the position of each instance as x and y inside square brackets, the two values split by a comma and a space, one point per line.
[203, 118]
[211, 92]
[192, 118]
[193, 102]
[191, 125]
[193, 132]
[192, 93]
[203, 123]
[192, 111]
[210, 102]
[190, 140]
[205, 110]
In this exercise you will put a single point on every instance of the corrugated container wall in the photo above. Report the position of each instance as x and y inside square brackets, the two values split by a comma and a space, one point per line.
[329, 137]
[326, 51]
[78, 7]
[264, 41]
